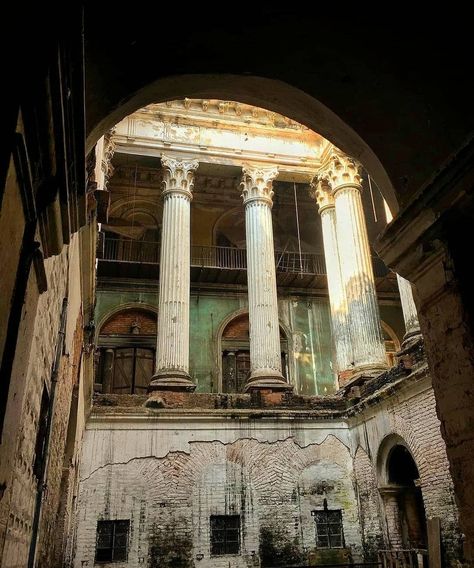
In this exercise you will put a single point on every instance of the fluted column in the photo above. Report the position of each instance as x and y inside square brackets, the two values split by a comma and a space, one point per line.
[410, 314]
[337, 294]
[265, 352]
[172, 350]
[342, 174]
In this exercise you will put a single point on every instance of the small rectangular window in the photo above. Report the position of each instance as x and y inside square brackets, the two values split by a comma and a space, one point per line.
[329, 533]
[225, 534]
[112, 541]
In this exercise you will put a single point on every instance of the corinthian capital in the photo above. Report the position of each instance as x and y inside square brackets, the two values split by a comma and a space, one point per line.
[340, 171]
[321, 191]
[178, 175]
[257, 183]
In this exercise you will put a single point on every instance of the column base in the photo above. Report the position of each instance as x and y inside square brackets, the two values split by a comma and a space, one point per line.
[361, 374]
[177, 381]
[267, 379]
[410, 339]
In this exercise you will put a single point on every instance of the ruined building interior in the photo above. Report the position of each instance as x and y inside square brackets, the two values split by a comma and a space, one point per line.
[233, 334]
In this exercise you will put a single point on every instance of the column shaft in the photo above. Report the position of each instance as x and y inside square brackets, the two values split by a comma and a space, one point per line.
[410, 314]
[172, 352]
[265, 351]
[358, 276]
[337, 295]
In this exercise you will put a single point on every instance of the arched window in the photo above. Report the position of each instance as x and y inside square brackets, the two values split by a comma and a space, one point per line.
[126, 347]
[392, 343]
[236, 354]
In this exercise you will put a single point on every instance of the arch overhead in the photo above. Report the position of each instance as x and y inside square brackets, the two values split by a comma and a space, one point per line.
[268, 94]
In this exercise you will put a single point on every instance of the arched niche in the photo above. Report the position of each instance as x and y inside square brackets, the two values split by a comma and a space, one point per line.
[400, 489]
[234, 352]
[126, 346]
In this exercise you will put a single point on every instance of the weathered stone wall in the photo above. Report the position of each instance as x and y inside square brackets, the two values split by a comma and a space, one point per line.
[408, 414]
[169, 469]
[32, 370]
[169, 474]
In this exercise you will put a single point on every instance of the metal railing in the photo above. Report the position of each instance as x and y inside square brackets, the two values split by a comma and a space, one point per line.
[403, 558]
[148, 252]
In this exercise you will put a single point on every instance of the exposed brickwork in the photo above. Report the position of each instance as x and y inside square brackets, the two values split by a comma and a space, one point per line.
[125, 322]
[33, 367]
[238, 328]
[369, 503]
[277, 478]
[271, 485]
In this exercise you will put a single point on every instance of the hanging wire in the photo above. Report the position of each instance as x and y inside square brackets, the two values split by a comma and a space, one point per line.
[298, 229]
[372, 198]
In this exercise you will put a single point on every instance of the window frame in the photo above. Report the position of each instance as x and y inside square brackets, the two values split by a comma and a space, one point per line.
[113, 523]
[213, 519]
[327, 523]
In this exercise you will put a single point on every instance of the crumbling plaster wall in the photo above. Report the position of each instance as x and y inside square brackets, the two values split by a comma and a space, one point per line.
[169, 475]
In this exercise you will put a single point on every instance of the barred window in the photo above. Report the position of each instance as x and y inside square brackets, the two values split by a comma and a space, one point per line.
[112, 541]
[329, 533]
[225, 534]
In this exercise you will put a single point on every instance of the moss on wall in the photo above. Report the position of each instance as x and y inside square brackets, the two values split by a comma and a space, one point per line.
[277, 548]
[170, 546]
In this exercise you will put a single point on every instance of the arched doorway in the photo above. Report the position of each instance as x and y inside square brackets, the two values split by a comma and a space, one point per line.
[400, 488]
[235, 354]
[126, 352]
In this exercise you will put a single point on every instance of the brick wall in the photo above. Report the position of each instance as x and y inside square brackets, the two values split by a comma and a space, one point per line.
[409, 416]
[32, 370]
[122, 323]
[273, 484]
[169, 469]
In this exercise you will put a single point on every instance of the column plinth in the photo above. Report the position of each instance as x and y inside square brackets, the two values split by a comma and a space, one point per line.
[265, 352]
[172, 350]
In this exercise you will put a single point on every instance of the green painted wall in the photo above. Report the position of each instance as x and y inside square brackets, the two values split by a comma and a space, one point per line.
[110, 301]
[310, 345]
[207, 314]
[307, 322]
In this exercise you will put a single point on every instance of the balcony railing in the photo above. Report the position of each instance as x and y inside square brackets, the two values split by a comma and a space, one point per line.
[148, 252]
[409, 558]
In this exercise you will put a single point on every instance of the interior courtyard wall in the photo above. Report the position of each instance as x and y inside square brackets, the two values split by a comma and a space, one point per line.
[168, 475]
[32, 369]
[410, 414]
[306, 319]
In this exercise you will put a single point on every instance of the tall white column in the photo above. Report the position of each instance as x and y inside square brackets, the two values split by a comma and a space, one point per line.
[410, 314]
[265, 352]
[172, 350]
[342, 173]
[337, 295]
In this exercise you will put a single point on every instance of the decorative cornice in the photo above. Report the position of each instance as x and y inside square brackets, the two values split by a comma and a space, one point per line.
[340, 171]
[257, 183]
[178, 175]
[320, 190]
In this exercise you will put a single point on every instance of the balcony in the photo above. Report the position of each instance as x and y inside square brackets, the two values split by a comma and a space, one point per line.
[129, 258]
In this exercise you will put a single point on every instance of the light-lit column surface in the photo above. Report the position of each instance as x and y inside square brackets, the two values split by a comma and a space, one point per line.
[337, 295]
[342, 173]
[265, 356]
[172, 350]
[410, 314]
